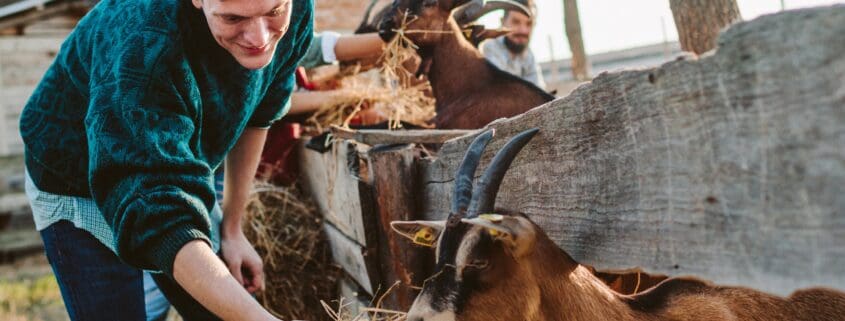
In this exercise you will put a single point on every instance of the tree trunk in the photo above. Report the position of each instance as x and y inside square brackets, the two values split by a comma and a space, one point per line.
[580, 64]
[699, 21]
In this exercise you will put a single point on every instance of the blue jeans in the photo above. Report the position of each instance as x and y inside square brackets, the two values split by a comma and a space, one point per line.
[96, 285]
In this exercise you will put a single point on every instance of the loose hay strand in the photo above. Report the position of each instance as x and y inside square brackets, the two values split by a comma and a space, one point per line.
[376, 313]
[390, 92]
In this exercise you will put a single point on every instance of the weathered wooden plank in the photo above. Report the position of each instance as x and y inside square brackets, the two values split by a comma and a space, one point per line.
[729, 167]
[384, 136]
[333, 178]
[352, 257]
[42, 12]
[15, 211]
[353, 299]
[395, 179]
[17, 244]
[12, 45]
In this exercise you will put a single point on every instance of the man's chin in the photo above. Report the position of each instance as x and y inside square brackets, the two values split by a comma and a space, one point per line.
[254, 62]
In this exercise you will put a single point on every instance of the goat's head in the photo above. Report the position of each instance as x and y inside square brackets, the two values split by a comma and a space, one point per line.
[482, 271]
[436, 16]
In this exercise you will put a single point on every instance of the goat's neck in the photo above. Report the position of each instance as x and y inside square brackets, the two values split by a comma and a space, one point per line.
[574, 293]
[456, 66]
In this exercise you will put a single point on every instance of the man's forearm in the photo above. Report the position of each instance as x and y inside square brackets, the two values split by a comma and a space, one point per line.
[206, 279]
[241, 164]
[354, 47]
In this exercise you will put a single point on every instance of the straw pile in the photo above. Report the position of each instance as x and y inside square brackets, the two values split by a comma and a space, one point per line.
[286, 230]
[392, 91]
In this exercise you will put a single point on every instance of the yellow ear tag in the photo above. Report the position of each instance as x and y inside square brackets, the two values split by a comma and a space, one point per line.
[493, 233]
[494, 218]
[424, 237]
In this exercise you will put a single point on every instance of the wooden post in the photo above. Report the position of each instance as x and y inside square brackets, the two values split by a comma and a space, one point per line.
[337, 180]
[699, 22]
[572, 22]
[395, 184]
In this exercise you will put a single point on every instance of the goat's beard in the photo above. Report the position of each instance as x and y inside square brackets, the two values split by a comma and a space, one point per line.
[515, 47]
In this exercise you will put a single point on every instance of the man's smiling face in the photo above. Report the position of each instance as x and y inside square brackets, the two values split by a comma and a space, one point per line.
[248, 29]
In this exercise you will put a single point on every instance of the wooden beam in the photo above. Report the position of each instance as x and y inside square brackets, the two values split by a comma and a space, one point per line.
[729, 167]
[395, 184]
[383, 136]
[15, 211]
[42, 12]
[334, 181]
[18, 244]
[352, 257]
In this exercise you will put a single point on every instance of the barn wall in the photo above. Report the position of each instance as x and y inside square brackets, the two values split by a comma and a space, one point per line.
[342, 15]
[729, 167]
[23, 61]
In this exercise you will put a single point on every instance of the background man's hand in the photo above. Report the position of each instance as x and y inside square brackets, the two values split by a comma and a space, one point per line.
[242, 260]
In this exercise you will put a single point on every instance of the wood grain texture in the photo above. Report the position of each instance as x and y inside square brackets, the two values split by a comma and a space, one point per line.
[699, 21]
[384, 136]
[333, 180]
[352, 257]
[396, 187]
[729, 168]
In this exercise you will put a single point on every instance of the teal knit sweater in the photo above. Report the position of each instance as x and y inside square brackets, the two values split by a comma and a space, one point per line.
[140, 107]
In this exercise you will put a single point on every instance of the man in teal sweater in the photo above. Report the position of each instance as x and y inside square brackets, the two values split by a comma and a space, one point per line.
[144, 101]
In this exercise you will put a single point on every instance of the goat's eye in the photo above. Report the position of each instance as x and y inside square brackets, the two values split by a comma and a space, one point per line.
[479, 264]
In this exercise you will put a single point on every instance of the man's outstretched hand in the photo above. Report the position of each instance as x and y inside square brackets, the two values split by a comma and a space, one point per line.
[242, 260]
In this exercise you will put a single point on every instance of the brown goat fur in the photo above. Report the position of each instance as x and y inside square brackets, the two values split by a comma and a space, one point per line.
[470, 91]
[547, 284]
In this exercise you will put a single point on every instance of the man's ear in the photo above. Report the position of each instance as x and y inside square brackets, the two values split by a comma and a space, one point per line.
[197, 3]
[517, 233]
[423, 233]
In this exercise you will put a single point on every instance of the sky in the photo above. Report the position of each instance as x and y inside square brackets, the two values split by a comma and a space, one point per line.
[608, 25]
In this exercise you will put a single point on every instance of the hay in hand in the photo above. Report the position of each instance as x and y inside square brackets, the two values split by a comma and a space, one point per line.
[286, 230]
[392, 92]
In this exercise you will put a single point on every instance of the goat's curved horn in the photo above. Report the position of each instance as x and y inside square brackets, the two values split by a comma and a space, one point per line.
[466, 172]
[478, 8]
[484, 195]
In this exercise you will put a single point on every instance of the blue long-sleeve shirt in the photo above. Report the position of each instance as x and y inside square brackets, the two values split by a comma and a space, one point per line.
[138, 109]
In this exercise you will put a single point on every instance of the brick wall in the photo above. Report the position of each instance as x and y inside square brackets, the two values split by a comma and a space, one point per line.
[342, 15]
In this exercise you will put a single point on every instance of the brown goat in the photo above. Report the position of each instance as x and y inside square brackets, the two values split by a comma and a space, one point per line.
[469, 90]
[504, 267]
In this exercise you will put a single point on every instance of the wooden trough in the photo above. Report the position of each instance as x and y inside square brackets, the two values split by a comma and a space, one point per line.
[728, 167]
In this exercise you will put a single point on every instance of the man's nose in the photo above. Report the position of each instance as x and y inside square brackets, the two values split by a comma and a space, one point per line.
[256, 33]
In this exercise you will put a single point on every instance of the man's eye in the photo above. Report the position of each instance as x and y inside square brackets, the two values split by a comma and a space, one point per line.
[232, 19]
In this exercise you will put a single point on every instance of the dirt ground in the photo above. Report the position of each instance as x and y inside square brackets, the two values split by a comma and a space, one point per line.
[28, 291]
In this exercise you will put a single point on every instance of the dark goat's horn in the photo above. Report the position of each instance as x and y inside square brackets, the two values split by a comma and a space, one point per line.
[484, 195]
[466, 172]
[477, 9]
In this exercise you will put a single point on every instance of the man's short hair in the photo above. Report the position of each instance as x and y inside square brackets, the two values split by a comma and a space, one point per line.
[530, 4]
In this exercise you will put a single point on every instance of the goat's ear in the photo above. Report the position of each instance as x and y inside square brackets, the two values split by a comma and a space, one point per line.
[452, 4]
[485, 34]
[515, 232]
[423, 233]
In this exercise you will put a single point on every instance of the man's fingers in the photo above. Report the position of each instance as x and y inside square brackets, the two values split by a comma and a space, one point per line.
[235, 268]
[256, 271]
